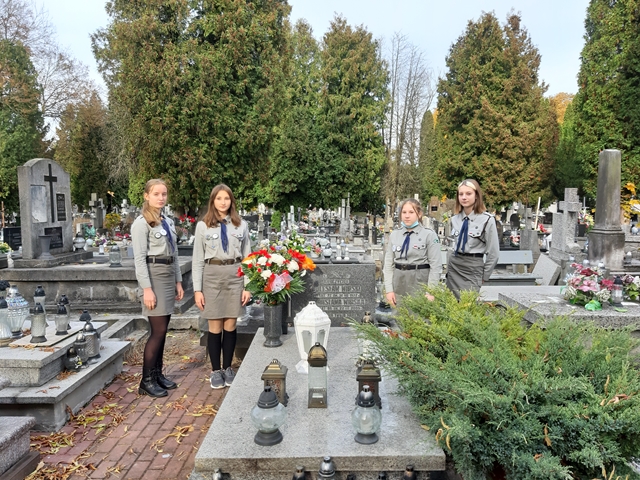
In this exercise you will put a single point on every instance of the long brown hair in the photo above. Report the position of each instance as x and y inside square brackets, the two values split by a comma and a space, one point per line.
[417, 207]
[211, 218]
[478, 205]
[150, 214]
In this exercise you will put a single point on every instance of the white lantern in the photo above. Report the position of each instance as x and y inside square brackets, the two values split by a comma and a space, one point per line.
[312, 325]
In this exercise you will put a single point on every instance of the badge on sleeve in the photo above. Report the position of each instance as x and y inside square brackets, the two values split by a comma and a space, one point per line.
[157, 234]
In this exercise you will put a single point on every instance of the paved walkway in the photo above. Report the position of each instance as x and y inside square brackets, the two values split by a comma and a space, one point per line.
[123, 435]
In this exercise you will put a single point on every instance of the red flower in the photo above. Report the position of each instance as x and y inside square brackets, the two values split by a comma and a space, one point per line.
[240, 272]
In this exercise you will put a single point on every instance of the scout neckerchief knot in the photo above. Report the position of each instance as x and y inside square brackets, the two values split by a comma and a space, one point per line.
[462, 237]
[165, 225]
[223, 236]
[405, 244]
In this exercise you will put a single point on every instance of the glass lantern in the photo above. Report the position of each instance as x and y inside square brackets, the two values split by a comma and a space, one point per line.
[410, 473]
[268, 415]
[38, 325]
[65, 301]
[369, 375]
[327, 469]
[299, 473]
[93, 342]
[5, 328]
[80, 345]
[18, 311]
[61, 320]
[275, 376]
[71, 360]
[312, 325]
[617, 291]
[317, 377]
[39, 297]
[115, 257]
[366, 418]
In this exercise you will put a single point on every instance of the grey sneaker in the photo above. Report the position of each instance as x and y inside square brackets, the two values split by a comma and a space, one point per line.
[229, 375]
[217, 379]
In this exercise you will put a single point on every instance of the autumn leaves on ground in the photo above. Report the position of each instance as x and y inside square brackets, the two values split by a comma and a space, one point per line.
[121, 434]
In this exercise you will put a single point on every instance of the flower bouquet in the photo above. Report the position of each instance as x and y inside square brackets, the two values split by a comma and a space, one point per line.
[587, 287]
[631, 287]
[274, 273]
[4, 247]
[184, 224]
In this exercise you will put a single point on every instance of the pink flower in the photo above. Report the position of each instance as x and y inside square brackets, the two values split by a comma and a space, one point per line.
[588, 286]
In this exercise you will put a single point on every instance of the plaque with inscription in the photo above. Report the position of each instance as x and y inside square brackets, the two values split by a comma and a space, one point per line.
[343, 291]
[13, 237]
[56, 236]
[61, 207]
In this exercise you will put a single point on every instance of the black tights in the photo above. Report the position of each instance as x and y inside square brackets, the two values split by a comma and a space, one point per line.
[154, 348]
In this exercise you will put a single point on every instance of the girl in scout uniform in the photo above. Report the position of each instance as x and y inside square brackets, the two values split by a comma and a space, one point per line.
[158, 274]
[413, 255]
[474, 235]
[222, 241]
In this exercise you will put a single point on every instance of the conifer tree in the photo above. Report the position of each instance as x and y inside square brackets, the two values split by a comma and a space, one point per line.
[493, 122]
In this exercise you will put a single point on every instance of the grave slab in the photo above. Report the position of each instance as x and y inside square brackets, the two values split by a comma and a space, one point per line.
[14, 440]
[48, 403]
[311, 434]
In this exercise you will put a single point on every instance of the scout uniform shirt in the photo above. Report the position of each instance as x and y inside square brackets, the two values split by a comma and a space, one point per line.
[482, 238]
[209, 238]
[424, 247]
[148, 241]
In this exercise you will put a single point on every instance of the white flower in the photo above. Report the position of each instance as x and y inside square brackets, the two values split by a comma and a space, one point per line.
[636, 281]
[266, 274]
[603, 295]
[293, 266]
[277, 259]
[262, 261]
[303, 273]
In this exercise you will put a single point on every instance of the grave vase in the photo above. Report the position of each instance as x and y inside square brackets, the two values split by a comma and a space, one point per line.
[45, 244]
[273, 324]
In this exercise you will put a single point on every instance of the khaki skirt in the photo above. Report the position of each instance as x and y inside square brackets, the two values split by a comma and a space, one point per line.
[408, 282]
[222, 290]
[464, 273]
[163, 283]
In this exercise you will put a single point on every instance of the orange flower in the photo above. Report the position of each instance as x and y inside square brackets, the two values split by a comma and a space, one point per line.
[307, 264]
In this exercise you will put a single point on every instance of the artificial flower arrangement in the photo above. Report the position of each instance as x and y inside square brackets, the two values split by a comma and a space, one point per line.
[4, 247]
[186, 223]
[275, 272]
[588, 287]
[585, 218]
[631, 287]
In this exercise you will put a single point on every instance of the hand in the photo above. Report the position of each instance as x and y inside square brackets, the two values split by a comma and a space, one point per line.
[431, 298]
[149, 298]
[246, 296]
[391, 298]
[199, 298]
[179, 291]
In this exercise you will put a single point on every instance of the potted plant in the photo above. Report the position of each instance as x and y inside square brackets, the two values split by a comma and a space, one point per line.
[553, 401]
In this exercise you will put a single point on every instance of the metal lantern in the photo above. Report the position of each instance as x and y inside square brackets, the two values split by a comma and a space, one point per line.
[85, 317]
[115, 257]
[268, 415]
[275, 376]
[5, 328]
[312, 325]
[39, 297]
[93, 342]
[317, 377]
[72, 360]
[38, 325]
[409, 473]
[80, 345]
[327, 469]
[369, 375]
[366, 418]
[18, 311]
[61, 320]
[299, 473]
[617, 291]
[65, 301]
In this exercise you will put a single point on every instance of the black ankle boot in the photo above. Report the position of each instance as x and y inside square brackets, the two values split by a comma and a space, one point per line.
[149, 385]
[163, 381]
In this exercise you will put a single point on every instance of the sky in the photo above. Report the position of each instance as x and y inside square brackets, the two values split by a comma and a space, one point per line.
[556, 27]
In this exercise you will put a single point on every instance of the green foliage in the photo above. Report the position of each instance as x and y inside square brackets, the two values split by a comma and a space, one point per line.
[567, 172]
[21, 122]
[607, 104]
[558, 402]
[276, 220]
[201, 84]
[427, 157]
[494, 124]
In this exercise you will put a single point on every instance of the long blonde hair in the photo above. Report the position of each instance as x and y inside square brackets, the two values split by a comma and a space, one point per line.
[151, 215]
[211, 218]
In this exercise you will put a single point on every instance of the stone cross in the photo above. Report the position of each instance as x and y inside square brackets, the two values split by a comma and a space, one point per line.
[563, 243]
[51, 179]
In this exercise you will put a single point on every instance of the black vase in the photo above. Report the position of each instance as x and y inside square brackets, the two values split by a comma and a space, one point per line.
[273, 325]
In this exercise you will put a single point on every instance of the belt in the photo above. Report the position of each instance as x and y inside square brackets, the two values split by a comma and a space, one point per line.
[477, 255]
[166, 260]
[408, 266]
[215, 261]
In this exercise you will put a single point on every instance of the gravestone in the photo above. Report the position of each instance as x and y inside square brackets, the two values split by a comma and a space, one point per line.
[563, 243]
[547, 270]
[342, 290]
[45, 207]
[13, 237]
